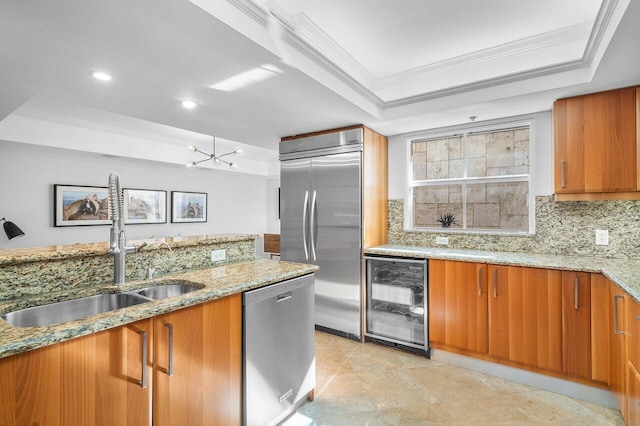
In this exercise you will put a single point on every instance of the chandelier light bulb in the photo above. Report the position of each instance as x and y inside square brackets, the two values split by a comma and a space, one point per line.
[192, 148]
[233, 165]
[191, 165]
[238, 151]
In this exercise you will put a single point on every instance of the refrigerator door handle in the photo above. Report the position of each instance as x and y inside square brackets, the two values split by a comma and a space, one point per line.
[304, 225]
[312, 231]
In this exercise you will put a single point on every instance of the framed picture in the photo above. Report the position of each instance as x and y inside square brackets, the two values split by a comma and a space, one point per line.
[80, 205]
[145, 206]
[188, 206]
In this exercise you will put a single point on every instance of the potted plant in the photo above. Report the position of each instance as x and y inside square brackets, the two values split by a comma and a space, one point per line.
[446, 220]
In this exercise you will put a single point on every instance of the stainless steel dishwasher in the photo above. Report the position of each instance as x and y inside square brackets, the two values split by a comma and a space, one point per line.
[279, 350]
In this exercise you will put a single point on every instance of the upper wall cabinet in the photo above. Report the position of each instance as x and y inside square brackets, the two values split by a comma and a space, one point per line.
[596, 144]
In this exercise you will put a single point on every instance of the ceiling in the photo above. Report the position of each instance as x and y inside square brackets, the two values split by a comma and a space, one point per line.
[396, 66]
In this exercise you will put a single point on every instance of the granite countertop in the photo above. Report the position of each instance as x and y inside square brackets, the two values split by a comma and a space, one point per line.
[34, 254]
[217, 282]
[624, 272]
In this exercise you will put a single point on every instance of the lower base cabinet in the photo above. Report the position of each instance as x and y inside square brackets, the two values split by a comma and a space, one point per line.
[91, 380]
[101, 379]
[617, 346]
[197, 378]
[525, 321]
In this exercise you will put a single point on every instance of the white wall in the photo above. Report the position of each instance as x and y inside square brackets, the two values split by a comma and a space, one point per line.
[237, 202]
[541, 151]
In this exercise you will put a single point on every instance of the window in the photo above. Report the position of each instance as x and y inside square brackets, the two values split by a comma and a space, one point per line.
[478, 178]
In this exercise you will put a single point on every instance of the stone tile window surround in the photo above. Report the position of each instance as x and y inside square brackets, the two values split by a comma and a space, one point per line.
[482, 176]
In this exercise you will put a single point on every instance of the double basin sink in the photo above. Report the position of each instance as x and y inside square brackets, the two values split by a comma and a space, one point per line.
[59, 312]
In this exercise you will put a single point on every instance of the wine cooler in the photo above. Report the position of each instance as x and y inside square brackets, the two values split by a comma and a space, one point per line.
[396, 304]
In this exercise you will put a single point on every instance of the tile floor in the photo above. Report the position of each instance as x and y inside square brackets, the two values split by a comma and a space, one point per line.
[369, 384]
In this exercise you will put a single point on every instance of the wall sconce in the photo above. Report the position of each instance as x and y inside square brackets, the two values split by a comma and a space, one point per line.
[11, 229]
[214, 157]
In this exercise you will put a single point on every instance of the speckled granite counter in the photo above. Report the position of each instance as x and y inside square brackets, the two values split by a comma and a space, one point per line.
[217, 282]
[51, 253]
[624, 272]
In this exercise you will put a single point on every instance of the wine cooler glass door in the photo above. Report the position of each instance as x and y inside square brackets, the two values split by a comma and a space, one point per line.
[397, 300]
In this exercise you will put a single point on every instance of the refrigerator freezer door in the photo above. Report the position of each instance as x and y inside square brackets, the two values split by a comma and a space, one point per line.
[335, 238]
[295, 182]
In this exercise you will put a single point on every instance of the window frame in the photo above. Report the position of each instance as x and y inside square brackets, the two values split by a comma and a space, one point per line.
[463, 131]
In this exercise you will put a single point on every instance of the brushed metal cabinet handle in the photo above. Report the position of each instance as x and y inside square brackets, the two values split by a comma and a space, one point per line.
[616, 330]
[576, 284]
[495, 283]
[143, 376]
[170, 327]
[562, 173]
[480, 282]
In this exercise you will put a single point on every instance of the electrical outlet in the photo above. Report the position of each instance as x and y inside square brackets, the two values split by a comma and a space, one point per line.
[218, 255]
[444, 241]
[602, 237]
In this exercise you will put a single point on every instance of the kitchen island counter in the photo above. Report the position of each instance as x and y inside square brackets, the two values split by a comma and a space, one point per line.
[217, 282]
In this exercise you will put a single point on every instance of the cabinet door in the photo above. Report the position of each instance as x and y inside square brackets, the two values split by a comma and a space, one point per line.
[576, 323]
[633, 396]
[458, 305]
[91, 380]
[102, 377]
[600, 330]
[198, 364]
[525, 316]
[633, 361]
[618, 351]
[595, 143]
[30, 387]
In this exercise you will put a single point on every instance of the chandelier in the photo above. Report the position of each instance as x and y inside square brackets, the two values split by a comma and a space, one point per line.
[214, 157]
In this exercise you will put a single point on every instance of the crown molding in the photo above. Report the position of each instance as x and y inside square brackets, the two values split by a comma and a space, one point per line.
[508, 51]
[310, 41]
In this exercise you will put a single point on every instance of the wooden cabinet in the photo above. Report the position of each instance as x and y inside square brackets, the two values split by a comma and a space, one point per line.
[600, 328]
[91, 380]
[525, 324]
[633, 362]
[576, 323]
[198, 364]
[458, 305]
[633, 396]
[97, 379]
[533, 318]
[617, 348]
[596, 146]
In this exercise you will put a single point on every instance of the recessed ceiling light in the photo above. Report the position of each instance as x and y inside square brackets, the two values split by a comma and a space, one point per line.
[189, 104]
[99, 75]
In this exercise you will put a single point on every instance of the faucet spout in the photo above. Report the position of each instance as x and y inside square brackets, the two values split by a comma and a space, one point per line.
[117, 241]
[150, 269]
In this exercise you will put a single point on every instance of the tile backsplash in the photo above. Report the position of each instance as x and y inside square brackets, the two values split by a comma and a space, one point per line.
[565, 228]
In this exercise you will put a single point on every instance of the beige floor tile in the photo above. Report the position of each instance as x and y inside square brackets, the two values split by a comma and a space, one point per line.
[373, 385]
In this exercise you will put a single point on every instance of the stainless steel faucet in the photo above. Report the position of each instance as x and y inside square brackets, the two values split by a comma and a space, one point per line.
[151, 270]
[118, 246]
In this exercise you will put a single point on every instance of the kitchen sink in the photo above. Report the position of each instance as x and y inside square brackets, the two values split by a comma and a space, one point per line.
[169, 289]
[70, 310]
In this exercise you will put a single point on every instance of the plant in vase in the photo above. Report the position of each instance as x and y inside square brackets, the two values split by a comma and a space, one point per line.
[446, 220]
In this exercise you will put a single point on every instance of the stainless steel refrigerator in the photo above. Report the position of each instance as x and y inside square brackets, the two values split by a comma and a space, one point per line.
[320, 180]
